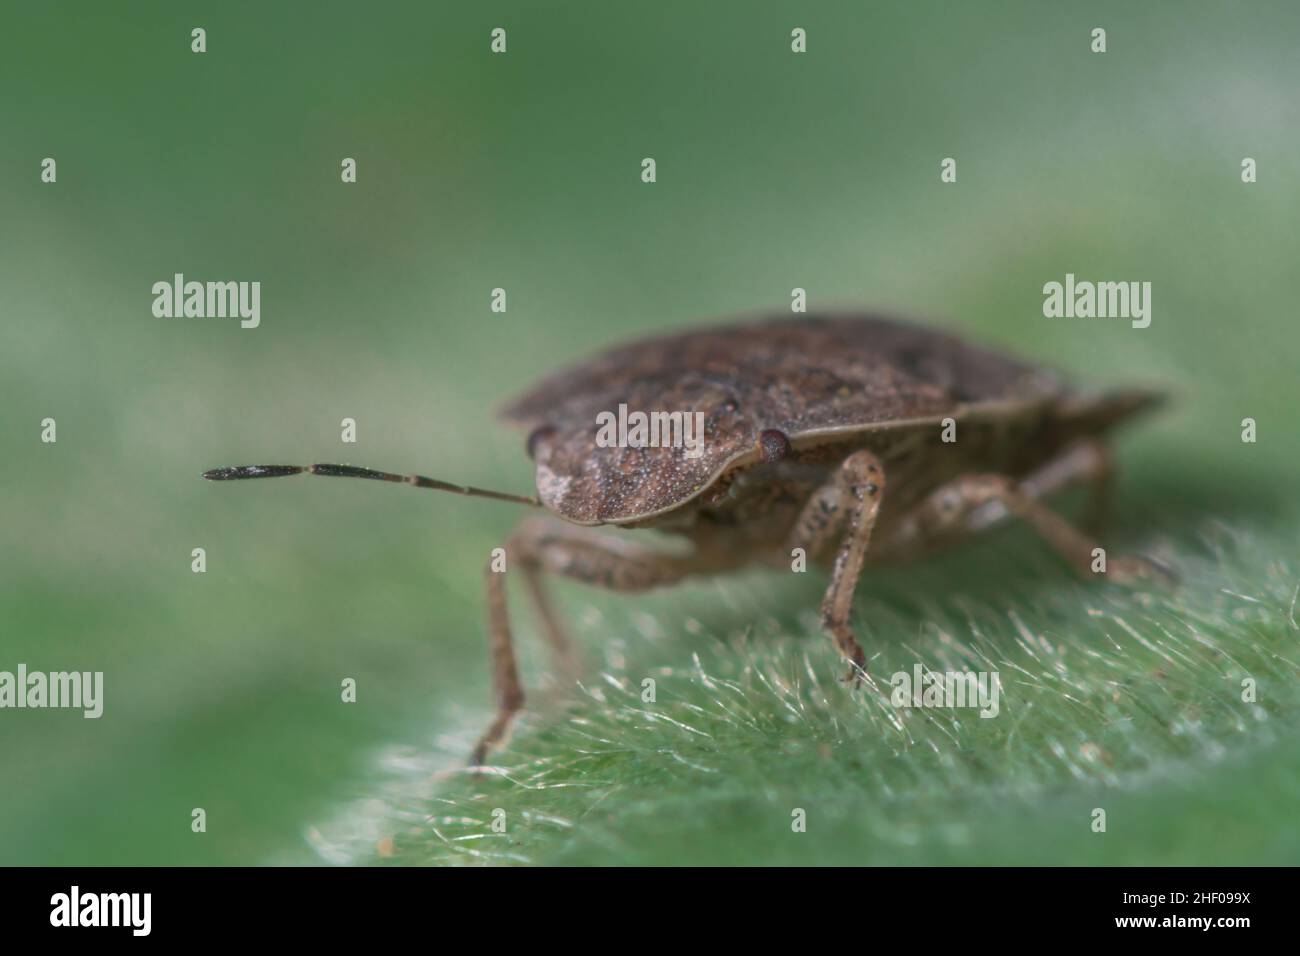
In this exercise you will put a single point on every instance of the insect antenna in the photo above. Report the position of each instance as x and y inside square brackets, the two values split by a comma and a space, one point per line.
[240, 472]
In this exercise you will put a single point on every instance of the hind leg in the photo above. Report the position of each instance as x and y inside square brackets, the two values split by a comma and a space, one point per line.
[971, 503]
[1086, 463]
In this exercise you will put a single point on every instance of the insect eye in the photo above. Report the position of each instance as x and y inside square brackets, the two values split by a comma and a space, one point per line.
[539, 434]
[773, 445]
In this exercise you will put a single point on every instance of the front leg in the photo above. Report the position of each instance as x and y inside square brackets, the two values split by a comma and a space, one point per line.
[550, 546]
[847, 504]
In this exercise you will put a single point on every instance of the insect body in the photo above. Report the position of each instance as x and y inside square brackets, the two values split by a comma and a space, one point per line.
[855, 438]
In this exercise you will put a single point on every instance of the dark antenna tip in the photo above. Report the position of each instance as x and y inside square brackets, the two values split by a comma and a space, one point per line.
[251, 471]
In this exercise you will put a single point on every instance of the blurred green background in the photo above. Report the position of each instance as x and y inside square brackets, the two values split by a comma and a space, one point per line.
[775, 171]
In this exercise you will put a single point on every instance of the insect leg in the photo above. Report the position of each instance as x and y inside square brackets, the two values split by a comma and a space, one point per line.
[849, 502]
[1087, 462]
[1100, 476]
[551, 546]
[973, 502]
[505, 671]
[565, 655]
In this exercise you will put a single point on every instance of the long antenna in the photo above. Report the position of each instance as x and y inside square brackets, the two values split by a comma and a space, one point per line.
[240, 472]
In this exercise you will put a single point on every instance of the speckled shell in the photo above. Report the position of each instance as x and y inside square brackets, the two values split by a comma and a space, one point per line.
[806, 376]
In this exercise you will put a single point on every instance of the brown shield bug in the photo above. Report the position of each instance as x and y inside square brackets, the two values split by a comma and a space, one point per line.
[857, 439]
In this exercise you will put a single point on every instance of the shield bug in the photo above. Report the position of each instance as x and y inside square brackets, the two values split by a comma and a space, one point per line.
[858, 439]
